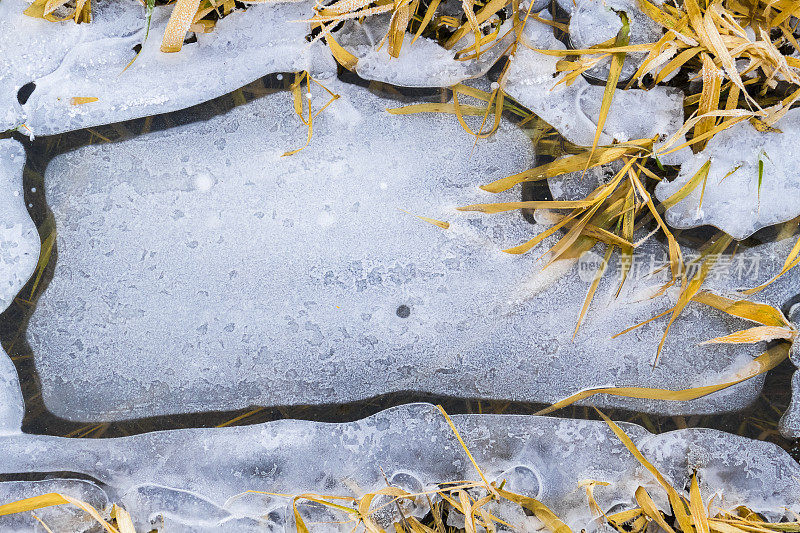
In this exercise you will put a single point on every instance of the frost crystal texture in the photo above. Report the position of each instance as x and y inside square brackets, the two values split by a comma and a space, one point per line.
[66, 61]
[753, 180]
[19, 240]
[575, 109]
[195, 479]
[200, 270]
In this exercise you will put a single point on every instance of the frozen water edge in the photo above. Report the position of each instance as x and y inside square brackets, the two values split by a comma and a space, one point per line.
[195, 479]
[574, 110]
[422, 64]
[196, 277]
[734, 199]
[89, 61]
[19, 240]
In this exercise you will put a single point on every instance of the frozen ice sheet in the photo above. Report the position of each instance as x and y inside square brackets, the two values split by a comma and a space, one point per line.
[19, 240]
[66, 60]
[423, 64]
[575, 109]
[733, 200]
[32, 48]
[596, 21]
[750, 267]
[200, 270]
[194, 480]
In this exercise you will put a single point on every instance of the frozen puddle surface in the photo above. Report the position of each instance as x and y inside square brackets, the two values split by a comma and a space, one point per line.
[195, 480]
[200, 270]
[92, 61]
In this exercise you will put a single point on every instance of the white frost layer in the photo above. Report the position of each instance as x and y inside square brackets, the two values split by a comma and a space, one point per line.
[194, 480]
[575, 109]
[224, 275]
[423, 64]
[90, 62]
[732, 201]
[19, 240]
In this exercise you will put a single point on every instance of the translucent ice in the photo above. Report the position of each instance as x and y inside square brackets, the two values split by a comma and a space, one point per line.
[575, 109]
[89, 62]
[200, 270]
[19, 240]
[597, 21]
[423, 64]
[753, 180]
[32, 48]
[195, 480]
[12, 407]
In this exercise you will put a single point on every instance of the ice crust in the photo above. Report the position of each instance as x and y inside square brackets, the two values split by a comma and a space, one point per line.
[596, 21]
[194, 479]
[575, 109]
[19, 240]
[423, 64]
[198, 270]
[66, 60]
[732, 201]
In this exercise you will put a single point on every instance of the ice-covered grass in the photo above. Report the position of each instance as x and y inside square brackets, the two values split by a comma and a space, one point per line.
[411, 468]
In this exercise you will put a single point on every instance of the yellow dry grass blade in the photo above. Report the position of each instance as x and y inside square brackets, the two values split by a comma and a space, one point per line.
[675, 254]
[617, 60]
[593, 288]
[532, 204]
[791, 261]
[699, 177]
[398, 26]
[51, 499]
[31, 504]
[761, 364]
[44, 259]
[529, 245]
[675, 499]
[445, 107]
[677, 62]
[438, 223]
[180, 19]
[650, 509]
[434, 5]
[691, 288]
[80, 100]
[483, 14]
[342, 56]
[709, 98]
[39, 9]
[573, 163]
[300, 101]
[756, 312]
[755, 334]
[123, 519]
[463, 445]
[539, 510]
[698, 512]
